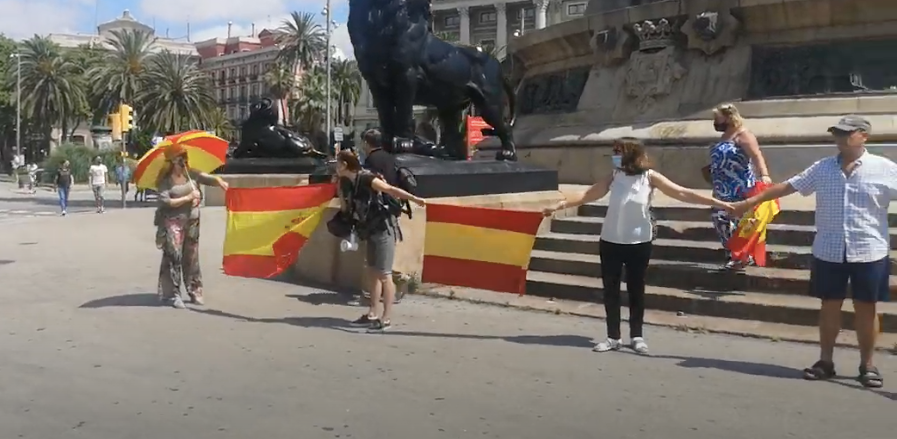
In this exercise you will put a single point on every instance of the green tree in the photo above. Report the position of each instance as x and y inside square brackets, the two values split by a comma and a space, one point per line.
[217, 121]
[280, 80]
[173, 94]
[85, 58]
[118, 78]
[302, 40]
[309, 108]
[7, 100]
[346, 83]
[51, 88]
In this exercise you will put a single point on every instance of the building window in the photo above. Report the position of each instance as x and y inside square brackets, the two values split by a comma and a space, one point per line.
[221, 74]
[487, 44]
[220, 94]
[242, 113]
[243, 71]
[242, 92]
[255, 69]
[230, 93]
[255, 90]
[528, 13]
[488, 17]
[453, 21]
[575, 9]
[233, 73]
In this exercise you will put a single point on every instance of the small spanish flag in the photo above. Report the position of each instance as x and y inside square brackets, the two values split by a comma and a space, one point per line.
[749, 238]
[266, 227]
[479, 247]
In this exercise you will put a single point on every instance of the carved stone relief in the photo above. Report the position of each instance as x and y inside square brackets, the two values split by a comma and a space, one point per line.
[650, 76]
[557, 92]
[611, 46]
[711, 31]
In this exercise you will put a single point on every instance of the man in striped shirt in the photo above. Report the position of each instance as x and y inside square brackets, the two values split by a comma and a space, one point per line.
[853, 191]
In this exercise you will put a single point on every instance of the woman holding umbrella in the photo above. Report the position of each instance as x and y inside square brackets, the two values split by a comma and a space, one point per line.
[178, 181]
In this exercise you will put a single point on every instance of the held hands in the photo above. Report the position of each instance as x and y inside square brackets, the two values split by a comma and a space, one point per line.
[419, 201]
[549, 211]
[740, 208]
[766, 179]
[223, 185]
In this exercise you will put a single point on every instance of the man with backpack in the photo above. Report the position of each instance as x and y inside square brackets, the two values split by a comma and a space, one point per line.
[372, 207]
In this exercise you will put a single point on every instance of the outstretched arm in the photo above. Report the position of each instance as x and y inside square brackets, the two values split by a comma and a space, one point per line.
[680, 193]
[381, 186]
[596, 192]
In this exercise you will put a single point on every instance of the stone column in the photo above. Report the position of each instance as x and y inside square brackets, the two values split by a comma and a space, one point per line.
[465, 24]
[501, 32]
[541, 13]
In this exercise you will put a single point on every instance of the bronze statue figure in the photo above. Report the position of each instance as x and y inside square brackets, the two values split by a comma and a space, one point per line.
[404, 64]
[262, 137]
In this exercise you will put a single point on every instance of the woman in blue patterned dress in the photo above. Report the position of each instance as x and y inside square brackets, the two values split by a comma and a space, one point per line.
[735, 165]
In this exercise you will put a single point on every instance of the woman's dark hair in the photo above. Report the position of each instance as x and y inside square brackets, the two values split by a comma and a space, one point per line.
[633, 158]
[349, 159]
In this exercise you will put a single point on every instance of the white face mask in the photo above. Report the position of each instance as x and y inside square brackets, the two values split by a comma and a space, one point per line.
[617, 160]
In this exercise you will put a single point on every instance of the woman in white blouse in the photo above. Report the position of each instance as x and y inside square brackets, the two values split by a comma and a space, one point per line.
[627, 233]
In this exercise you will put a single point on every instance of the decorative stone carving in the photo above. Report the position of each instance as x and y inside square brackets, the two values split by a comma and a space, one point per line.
[557, 92]
[711, 32]
[653, 36]
[611, 45]
[650, 75]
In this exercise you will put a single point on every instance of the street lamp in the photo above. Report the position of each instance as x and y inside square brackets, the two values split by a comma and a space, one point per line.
[18, 58]
[330, 26]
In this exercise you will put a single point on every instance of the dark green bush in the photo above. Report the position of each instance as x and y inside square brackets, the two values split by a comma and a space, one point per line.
[81, 158]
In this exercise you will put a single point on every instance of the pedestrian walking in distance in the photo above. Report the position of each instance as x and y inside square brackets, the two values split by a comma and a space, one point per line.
[64, 183]
[177, 227]
[627, 234]
[98, 175]
[853, 191]
[378, 228]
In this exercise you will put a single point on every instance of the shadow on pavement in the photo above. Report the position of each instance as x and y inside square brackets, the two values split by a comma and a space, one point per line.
[6, 261]
[111, 203]
[124, 300]
[305, 322]
[324, 298]
[577, 341]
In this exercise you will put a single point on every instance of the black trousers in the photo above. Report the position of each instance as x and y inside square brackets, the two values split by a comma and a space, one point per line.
[635, 258]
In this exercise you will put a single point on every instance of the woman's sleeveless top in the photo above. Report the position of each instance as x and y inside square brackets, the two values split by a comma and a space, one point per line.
[629, 219]
[731, 172]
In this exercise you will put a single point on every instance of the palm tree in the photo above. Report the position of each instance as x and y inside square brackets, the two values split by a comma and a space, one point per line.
[310, 107]
[280, 80]
[84, 58]
[51, 88]
[449, 37]
[346, 82]
[302, 40]
[218, 122]
[173, 94]
[118, 79]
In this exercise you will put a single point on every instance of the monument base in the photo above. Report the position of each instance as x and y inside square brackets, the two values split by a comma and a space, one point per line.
[322, 263]
[448, 178]
[302, 165]
[214, 196]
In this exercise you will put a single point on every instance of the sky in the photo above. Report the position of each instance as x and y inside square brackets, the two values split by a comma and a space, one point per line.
[207, 18]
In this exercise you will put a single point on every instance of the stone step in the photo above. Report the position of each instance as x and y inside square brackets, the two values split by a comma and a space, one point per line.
[690, 276]
[776, 308]
[778, 256]
[778, 234]
[699, 214]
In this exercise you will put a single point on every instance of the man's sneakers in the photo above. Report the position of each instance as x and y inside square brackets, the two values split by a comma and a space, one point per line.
[373, 324]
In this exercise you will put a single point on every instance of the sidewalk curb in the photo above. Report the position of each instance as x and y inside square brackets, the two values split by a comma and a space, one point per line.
[704, 325]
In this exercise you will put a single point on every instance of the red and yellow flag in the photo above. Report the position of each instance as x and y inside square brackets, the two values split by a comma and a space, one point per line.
[266, 227]
[749, 238]
[478, 247]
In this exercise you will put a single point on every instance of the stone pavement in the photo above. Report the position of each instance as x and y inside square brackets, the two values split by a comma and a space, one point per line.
[86, 354]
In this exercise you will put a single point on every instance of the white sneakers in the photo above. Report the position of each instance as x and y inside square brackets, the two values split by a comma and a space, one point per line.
[637, 344]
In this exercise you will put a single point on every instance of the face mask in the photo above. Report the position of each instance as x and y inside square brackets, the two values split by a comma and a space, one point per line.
[617, 160]
[720, 127]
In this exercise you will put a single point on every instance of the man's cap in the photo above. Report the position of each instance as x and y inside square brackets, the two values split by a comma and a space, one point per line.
[851, 123]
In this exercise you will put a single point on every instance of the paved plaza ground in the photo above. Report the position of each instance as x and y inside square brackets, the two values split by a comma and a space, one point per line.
[86, 353]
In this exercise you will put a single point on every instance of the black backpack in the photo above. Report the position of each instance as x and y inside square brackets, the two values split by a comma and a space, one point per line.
[408, 183]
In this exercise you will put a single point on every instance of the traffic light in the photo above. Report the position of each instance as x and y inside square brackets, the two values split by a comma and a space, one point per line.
[127, 117]
[114, 121]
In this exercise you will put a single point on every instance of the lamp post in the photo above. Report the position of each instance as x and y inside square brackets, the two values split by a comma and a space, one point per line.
[326, 14]
[18, 58]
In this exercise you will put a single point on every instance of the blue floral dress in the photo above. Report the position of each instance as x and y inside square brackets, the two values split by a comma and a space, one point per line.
[732, 176]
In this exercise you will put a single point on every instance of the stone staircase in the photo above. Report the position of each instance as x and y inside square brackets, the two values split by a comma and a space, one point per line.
[684, 275]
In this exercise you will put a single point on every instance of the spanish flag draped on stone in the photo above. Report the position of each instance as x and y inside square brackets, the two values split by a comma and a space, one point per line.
[266, 227]
[479, 247]
[749, 238]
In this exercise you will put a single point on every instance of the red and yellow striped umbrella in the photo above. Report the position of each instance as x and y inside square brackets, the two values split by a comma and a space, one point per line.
[205, 153]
